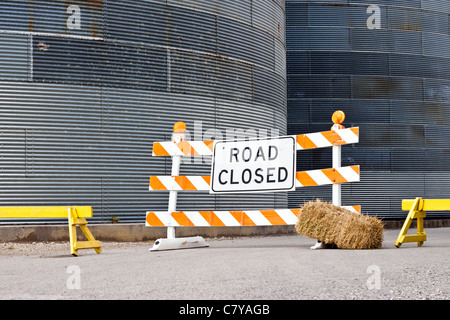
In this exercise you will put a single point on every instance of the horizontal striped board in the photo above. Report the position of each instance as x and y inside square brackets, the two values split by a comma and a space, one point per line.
[227, 218]
[304, 141]
[43, 212]
[224, 218]
[354, 209]
[184, 148]
[303, 179]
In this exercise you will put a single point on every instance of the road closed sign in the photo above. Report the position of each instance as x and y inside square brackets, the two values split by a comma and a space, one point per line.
[260, 165]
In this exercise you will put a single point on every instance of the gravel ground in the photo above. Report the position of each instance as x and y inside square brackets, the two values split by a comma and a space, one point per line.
[54, 249]
[273, 268]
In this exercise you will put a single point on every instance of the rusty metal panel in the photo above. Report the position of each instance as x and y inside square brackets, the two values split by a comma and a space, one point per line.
[80, 61]
[402, 19]
[67, 60]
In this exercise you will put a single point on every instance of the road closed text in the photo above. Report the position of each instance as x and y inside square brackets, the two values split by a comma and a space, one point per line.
[254, 166]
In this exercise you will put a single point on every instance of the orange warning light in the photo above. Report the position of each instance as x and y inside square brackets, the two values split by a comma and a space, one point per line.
[338, 117]
[179, 127]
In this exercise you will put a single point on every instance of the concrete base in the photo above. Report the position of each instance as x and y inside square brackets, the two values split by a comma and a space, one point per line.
[179, 243]
[138, 232]
[130, 232]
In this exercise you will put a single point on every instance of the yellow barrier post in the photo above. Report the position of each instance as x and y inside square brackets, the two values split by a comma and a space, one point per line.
[75, 245]
[416, 212]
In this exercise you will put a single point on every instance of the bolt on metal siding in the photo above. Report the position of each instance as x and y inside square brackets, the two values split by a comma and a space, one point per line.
[386, 65]
[86, 87]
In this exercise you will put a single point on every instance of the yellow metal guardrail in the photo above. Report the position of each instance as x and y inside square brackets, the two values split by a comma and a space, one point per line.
[76, 217]
[417, 210]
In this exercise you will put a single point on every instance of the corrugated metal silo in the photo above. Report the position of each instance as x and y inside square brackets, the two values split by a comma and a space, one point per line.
[87, 86]
[386, 64]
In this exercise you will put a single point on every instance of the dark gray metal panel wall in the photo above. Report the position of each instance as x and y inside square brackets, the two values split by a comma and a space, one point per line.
[392, 82]
[80, 105]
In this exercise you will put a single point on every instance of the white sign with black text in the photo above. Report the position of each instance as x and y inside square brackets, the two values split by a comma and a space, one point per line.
[259, 165]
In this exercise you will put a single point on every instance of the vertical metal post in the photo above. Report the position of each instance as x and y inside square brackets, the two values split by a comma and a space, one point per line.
[171, 242]
[72, 233]
[337, 186]
[338, 118]
[176, 161]
[178, 135]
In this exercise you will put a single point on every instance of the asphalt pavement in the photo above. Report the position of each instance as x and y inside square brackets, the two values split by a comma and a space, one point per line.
[248, 268]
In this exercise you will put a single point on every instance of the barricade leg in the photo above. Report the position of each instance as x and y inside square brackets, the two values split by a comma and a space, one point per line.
[173, 195]
[336, 188]
[416, 212]
[75, 245]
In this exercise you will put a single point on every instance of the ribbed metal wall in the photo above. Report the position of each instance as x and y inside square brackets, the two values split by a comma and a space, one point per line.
[386, 64]
[87, 86]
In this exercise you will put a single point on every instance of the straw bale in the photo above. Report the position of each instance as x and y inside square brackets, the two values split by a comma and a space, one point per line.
[335, 225]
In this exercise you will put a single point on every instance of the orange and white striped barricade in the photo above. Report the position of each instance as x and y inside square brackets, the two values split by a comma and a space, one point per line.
[303, 142]
[302, 179]
[228, 218]
[175, 183]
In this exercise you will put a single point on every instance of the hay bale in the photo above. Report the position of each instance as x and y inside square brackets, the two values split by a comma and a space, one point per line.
[334, 225]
